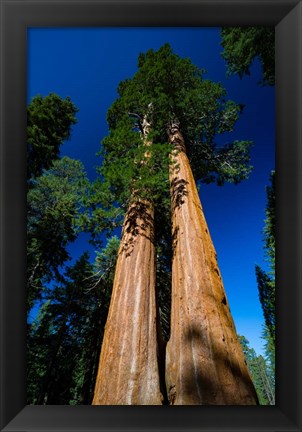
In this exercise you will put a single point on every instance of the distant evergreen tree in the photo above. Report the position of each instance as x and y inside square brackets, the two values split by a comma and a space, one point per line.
[269, 348]
[266, 288]
[54, 204]
[266, 281]
[270, 223]
[260, 371]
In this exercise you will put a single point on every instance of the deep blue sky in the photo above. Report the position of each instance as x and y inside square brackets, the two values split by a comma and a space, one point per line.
[87, 65]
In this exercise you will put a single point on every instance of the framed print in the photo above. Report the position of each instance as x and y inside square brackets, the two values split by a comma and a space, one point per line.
[19, 19]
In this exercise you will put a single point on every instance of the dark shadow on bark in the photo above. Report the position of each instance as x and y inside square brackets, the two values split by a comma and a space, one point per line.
[199, 387]
[178, 192]
[138, 222]
[174, 239]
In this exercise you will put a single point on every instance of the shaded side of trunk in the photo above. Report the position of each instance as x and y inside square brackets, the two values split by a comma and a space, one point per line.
[205, 363]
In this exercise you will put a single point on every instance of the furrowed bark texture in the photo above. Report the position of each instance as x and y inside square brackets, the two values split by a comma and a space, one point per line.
[128, 371]
[205, 364]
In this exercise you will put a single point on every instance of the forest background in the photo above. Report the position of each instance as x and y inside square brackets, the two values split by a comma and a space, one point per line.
[87, 65]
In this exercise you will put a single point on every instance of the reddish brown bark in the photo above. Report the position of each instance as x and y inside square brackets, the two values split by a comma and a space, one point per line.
[128, 371]
[204, 360]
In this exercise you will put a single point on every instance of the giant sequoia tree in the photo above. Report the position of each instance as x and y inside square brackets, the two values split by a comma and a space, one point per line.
[145, 168]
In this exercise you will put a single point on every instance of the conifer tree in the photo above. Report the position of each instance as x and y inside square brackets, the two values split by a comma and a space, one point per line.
[204, 362]
[266, 280]
[54, 201]
[260, 369]
[65, 337]
[49, 122]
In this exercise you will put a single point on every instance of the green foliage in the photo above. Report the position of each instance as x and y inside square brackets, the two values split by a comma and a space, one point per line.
[266, 284]
[260, 371]
[65, 339]
[128, 170]
[100, 214]
[166, 88]
[104, 267]
[266, 281]
[226, 164]
[49, 122]
[270, 222]
[270, 354]
[243, 44]
[266, 288]
[136, 158]
[54, 203]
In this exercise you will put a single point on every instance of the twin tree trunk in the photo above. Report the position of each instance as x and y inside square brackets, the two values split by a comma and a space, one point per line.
[205, 364]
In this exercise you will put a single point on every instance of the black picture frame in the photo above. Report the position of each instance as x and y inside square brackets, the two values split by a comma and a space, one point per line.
[16, 17]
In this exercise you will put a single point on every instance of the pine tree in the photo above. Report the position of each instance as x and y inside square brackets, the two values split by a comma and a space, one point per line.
[185, 112]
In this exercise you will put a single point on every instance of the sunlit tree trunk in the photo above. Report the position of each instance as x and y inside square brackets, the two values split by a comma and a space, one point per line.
[204, 360]
[128, 371]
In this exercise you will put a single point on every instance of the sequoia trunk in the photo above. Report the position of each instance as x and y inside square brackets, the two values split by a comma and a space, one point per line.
[204, 361]
[128, 371]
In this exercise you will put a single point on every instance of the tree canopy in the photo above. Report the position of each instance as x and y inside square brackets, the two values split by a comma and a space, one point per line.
[54, 202]
[49, 122]
[241, 45]
[166, 88]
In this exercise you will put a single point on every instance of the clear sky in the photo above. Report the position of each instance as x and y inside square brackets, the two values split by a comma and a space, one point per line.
[87, 65]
